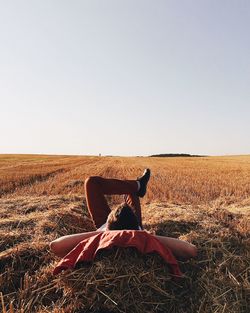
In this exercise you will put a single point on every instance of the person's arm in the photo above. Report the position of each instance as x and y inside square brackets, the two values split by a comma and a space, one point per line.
[181, 249]
[65, 244]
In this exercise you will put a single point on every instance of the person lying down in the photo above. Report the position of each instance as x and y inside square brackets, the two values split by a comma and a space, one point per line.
[126, 217]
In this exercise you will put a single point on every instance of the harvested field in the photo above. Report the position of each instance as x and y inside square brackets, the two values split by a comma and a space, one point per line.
[203, 200]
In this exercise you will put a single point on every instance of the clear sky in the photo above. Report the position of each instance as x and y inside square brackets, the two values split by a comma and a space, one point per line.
[125, 77]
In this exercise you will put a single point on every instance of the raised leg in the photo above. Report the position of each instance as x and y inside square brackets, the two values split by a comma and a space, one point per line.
[97, 187]
[134, 202]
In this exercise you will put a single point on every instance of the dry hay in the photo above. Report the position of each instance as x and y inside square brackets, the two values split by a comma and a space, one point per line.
[121, 279]
[217, 281]
[124, 280]
[20, 261]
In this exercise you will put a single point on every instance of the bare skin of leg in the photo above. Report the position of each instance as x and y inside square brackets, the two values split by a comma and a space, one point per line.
[181, 249]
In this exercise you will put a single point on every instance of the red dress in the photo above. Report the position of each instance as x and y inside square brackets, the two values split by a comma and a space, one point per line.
[143, 241]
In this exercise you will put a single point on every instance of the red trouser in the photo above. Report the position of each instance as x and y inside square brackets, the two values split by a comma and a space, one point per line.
[97, 187]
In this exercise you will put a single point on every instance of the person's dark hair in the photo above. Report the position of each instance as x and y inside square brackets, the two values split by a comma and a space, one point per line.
[122, 217]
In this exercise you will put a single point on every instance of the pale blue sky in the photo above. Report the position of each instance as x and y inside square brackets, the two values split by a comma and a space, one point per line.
[125, 77]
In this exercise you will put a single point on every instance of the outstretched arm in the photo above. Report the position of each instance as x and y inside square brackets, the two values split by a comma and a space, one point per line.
[181, 249]
[65, 244]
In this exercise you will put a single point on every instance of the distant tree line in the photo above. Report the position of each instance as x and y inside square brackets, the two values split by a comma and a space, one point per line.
[173, 155]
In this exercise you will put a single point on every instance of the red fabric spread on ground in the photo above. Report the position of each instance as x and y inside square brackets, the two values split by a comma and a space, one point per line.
[143, 241]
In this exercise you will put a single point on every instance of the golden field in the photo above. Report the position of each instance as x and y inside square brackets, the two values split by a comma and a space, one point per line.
[205, 200]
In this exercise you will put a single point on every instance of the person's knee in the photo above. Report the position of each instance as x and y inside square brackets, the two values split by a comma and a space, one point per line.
[91, 180]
